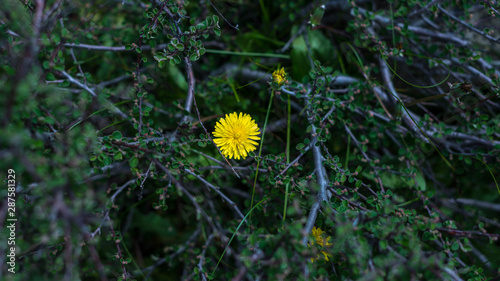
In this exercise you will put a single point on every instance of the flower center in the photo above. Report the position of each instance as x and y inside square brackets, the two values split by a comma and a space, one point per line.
[237, 137]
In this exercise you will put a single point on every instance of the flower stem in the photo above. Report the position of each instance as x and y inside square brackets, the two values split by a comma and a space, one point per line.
[234, 234]
[288, 128]
[260, 150]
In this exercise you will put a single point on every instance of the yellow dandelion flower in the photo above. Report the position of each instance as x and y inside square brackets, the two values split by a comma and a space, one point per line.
[279, 76]
[326, 255]
[236, 135]
[317, 233]
[318, 236]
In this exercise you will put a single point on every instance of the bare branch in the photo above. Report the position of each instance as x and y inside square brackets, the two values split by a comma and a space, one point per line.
[217, 190]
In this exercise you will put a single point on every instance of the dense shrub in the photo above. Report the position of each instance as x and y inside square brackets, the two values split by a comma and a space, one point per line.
[377, 158]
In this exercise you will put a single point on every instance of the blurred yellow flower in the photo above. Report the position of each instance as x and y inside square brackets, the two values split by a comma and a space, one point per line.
[236, 135]
[279, 76]
[317, 233]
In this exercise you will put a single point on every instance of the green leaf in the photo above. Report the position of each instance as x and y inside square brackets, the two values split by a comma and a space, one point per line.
[133, 162]
[178, 77]
[421, 184]
[194, 57]
[118, 156]
[341, 209]
[201, 25]
[117, 135]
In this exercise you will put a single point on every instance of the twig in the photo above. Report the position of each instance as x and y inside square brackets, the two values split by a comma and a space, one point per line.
[217, 189]
[323, 194]
[452, 274]
[112, 201]
[481, 204]
[117, 243]
[257, 256]
[384, 21]
[190, 197]
[495, 40]
[364, 155]
[311, 220]
[79, 66]
[202, 257]
[171, 256]
[215, 8]
[417, 12]
[86, 88]
[224, 167]
[78, 83]
[491, 7]
[320, 170]
[394, 95]
[337, 168]
[101, 48]
[293, 37]
[468, 234]
[306, 149]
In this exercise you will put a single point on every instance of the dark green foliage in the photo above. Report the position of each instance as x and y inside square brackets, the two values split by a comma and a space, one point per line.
[393, 148]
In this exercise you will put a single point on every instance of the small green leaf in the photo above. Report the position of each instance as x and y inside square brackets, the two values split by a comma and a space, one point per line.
[467, 160]
[201, 25]
[194, 57]
[133, 162]
[341, 209]
[118, 156]
[117, 135]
